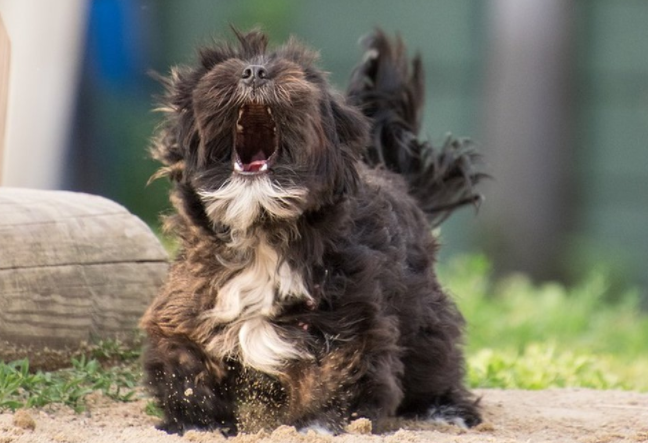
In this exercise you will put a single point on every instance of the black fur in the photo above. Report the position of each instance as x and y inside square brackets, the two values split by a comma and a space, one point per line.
[378, 334]
[392, 97]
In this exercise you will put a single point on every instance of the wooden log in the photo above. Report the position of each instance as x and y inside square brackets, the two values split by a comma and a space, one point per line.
[74, 268]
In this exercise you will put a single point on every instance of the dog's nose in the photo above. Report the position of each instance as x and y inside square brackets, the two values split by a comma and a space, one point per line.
[254, 75]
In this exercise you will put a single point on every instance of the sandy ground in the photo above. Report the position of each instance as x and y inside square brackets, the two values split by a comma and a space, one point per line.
[572, 415]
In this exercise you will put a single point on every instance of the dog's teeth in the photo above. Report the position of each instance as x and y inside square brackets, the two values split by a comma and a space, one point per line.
[239, 127]
[269, 111]
[264, 167]
[238, 167]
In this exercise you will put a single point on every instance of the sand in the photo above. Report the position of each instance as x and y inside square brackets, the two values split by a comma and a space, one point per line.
[568, 415]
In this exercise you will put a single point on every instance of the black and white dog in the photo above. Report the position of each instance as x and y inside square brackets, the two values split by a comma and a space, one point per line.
[304, 291]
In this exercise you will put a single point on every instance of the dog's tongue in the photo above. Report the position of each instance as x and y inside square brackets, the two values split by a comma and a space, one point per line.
[254, 166]
[258, 160]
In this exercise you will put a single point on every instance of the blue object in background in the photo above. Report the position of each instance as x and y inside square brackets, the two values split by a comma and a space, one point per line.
[113, 121]
[111, 56]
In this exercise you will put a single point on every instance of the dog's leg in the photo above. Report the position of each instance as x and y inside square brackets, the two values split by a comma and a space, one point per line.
[438, 395]
[455, 407]
[434, 373]
[358, 377]
[189, 387]
[346, 389]
[380, 390]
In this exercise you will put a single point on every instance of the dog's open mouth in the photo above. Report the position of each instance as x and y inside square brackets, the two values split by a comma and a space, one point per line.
[256, 141]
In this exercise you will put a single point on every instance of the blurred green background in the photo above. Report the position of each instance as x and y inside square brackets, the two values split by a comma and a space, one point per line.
[564, 131]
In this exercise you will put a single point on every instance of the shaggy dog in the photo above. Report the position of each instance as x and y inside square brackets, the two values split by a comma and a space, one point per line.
[304, 292]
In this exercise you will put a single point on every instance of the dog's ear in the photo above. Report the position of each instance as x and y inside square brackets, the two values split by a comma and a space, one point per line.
[352, 132]
[177, 135]
[351, 125]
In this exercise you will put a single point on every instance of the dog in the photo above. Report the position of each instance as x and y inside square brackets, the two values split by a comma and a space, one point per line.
[304, 291]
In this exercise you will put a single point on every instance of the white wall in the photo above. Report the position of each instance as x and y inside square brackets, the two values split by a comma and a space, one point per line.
[46, 47]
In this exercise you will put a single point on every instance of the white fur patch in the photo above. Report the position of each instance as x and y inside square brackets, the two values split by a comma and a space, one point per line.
[247, 302]
[262, 348]
[253, 290]
[316, 428]
[239, 202]
[445, 415]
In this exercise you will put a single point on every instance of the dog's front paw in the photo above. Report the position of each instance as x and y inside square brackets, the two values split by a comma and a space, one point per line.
[319, 428]
[172, 427]
[454, 415]
[176, 427]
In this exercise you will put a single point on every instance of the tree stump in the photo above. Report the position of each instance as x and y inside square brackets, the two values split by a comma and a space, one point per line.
[74, 268]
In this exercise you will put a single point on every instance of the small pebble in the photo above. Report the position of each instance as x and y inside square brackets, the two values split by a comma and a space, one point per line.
[285, 432]
[211, 437]
[23, 420]
[359, 426]
[485, 427]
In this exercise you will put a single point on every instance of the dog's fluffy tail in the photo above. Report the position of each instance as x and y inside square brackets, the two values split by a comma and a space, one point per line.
[383, 87]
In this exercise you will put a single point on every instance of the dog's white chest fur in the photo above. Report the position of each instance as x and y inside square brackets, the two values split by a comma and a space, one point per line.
[255, 289]
[246, 304]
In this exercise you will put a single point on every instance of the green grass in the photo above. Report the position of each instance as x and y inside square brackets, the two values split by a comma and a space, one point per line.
[520, 335]
[110, 369]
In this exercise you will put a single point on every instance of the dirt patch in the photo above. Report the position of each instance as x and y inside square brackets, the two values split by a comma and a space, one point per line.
[571, 415]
